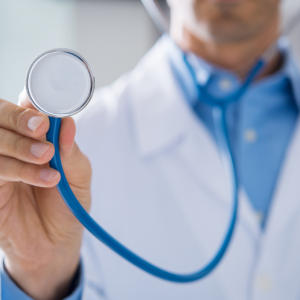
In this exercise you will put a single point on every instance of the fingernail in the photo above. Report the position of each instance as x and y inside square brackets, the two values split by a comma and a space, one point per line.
[48, 175]
[39, 149]
[34, 123]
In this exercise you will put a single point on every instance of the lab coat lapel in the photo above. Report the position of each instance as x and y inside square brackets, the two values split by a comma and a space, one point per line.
[280, 245]
[163, 120]
[286, 200]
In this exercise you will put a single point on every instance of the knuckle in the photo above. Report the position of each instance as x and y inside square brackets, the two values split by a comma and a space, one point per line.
[2, 163]
[17, 144]
[2, 138]
[11, 143]
[14, 117]
[5, 167]
[22, 170]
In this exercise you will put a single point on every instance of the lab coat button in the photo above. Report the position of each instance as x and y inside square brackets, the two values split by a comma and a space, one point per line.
[264, 283]
[225, 84]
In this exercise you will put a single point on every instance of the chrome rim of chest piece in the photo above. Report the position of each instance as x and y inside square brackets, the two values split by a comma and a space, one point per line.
[60, 83]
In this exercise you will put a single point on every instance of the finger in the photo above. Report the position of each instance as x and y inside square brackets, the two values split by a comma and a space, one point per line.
[23, 148]
[25, 121]
[16, 170]
[24, 100]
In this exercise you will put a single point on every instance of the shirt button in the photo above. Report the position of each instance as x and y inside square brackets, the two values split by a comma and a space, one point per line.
[225, 84]
[250, 135]
[264, 283]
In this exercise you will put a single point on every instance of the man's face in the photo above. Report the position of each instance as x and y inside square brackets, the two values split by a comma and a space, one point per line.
[224, 21]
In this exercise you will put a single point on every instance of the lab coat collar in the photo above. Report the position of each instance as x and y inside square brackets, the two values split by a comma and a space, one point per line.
[290, 68]
[158, 107]
[164, 120]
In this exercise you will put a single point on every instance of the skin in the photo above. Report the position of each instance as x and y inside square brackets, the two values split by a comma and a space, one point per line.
[231, 34]
[41, 239]
[39, 236]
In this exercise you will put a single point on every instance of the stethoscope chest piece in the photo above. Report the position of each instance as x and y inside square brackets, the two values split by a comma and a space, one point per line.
[60, 83]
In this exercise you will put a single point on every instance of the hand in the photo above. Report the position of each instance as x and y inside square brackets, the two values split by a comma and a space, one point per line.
[40, 237]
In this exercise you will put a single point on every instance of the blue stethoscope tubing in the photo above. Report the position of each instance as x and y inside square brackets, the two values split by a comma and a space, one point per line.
[219, 110]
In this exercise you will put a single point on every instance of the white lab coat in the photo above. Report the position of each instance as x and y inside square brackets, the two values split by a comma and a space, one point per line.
[159, 187]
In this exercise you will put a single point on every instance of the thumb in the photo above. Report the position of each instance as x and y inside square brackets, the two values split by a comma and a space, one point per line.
[67, 133]
[76, 165]
[23, 100]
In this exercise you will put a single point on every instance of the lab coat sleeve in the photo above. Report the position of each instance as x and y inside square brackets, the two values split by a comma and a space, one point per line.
[10, 291]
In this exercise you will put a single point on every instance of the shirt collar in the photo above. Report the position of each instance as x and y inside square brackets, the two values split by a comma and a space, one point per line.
[207, 73]
[290, 68]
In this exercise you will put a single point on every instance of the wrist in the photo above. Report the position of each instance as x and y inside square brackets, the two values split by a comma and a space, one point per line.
[49, 282]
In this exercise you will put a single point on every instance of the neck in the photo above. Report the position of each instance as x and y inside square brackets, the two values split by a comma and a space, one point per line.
[238, 57]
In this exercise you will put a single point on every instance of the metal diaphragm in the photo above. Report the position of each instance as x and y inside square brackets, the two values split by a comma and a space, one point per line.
[60, 83]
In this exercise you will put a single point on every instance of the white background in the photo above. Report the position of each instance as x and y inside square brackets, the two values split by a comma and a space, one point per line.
[111, 35]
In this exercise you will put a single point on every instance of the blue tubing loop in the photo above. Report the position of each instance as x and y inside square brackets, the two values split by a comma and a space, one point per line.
[219, 110]
[87, 221]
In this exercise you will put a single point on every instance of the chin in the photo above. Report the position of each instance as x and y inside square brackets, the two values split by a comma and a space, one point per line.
[219, 35]
[226, 1]
[224, 21]
[230, 20]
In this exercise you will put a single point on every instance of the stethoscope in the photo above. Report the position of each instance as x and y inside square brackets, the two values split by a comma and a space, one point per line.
[60, 83]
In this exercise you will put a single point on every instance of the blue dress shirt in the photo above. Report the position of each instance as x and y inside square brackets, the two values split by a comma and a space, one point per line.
[260, 127]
